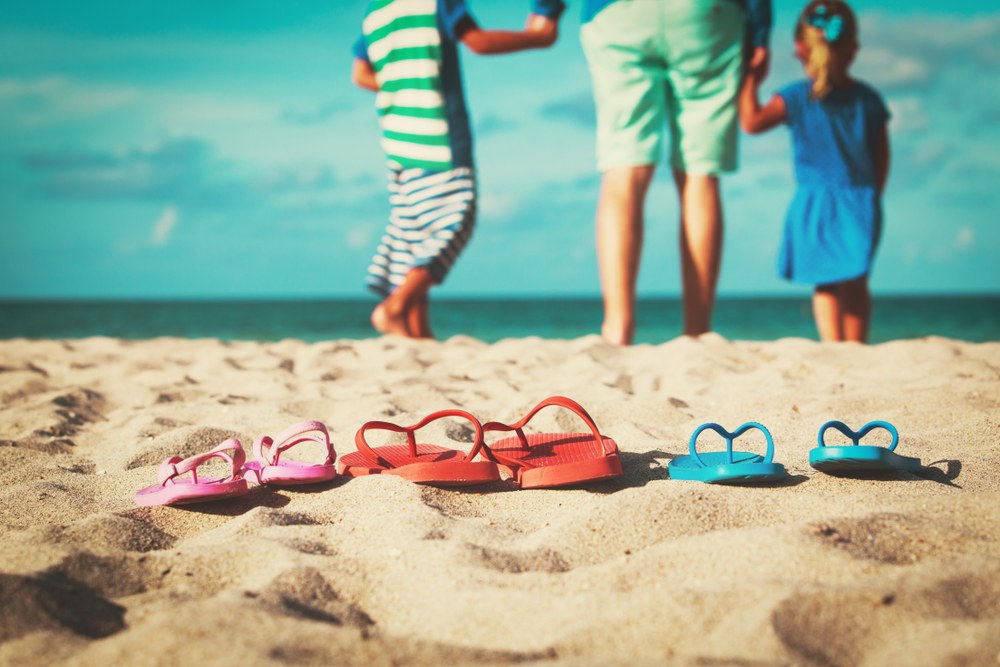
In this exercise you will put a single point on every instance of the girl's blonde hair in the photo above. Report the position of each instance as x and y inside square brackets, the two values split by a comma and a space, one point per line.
[829, 31]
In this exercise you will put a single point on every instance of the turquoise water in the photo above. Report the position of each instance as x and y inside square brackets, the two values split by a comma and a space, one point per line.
[970, 318]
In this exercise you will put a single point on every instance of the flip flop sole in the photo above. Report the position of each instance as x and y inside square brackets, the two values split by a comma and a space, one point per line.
[568, 474]
[433, 473]
[559, 459]
[860, 458]
[183, 492]
[284, 474]
[746, 468]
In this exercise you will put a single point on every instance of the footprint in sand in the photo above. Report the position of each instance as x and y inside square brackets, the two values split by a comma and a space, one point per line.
[51, 601]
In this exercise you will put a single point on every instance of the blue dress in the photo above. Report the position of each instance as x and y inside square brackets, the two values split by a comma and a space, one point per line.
[835, 220]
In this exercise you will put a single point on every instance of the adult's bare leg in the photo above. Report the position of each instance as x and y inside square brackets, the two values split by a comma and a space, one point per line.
[827, 311]
[701, 248]
[619, 246]
[856, 309]
[393, 314]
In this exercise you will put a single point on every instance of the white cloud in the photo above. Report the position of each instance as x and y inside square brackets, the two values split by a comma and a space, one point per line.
[883, 67]
[908, 115]
[914, 51]
[165, 225]
[54, 99]
[11, 88]
[359, 237]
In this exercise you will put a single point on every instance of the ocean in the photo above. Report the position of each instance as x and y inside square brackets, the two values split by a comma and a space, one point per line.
[968, 318]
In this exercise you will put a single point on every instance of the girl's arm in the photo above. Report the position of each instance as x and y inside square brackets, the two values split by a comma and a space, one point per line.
[540, 33]
[753, 117]
[881, 156]
[363, 75]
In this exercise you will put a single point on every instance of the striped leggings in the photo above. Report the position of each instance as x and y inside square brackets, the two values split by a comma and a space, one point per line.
[433, 215]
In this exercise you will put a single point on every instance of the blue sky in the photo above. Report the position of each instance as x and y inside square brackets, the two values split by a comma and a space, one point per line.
[217, 149]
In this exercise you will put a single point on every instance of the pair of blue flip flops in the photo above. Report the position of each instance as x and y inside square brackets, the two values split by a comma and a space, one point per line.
[733, 467]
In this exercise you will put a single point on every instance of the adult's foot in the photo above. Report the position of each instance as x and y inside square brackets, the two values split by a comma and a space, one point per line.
[389, 321]
[617, 335]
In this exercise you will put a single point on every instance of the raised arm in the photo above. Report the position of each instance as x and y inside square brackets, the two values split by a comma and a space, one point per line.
[755, 118]
[363, 75]
[882, 159]
[539, 33]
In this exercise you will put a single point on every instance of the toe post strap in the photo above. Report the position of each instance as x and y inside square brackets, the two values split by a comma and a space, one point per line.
[856, 436]
[175, 466]
[365, 449]
[268, 450]
[768, 457]
[600, 441]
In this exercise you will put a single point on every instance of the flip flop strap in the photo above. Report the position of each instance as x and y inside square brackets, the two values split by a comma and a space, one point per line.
[768, 457]
[411, 438]
[560, 401]
[264, 449]
[856, 437]
[176, 466]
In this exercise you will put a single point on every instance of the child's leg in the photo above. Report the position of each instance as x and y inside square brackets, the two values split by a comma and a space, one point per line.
[855, 309]
[393, 314]
[827, 310]
[419, 320]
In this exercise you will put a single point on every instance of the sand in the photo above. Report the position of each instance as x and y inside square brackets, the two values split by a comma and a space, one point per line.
[902, 569]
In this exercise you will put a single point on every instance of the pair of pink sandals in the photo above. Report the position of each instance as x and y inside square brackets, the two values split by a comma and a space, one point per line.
[174, 489]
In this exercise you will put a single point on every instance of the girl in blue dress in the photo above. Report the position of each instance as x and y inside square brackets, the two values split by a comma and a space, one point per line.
[841, 148]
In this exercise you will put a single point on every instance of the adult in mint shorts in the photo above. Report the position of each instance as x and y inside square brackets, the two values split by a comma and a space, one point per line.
[659, 64]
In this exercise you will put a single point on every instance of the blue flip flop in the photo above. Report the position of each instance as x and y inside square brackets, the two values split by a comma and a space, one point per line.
[860, 458]
[728, 467]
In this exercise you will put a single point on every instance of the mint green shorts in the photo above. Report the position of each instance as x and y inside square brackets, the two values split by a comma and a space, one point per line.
[655, 62]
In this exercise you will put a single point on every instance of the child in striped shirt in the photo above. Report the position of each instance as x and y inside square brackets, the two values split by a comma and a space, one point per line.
[408, 54]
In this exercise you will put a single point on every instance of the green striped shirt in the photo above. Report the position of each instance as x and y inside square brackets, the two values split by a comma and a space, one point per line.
[404, 47]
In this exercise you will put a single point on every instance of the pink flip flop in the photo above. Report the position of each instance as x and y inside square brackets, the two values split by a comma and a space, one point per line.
[423, 464]
[174, 491]
[268, 469]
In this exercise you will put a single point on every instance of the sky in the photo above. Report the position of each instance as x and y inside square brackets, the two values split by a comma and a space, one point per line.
[217, 149]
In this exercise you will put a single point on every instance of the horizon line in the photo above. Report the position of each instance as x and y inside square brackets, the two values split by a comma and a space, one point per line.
[734, 296]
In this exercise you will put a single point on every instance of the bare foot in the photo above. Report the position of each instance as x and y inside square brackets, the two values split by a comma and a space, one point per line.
[616, 335]
[419, 321]
[387, 322]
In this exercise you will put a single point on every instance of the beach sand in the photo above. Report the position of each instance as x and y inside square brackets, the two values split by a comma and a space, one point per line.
[898, 570]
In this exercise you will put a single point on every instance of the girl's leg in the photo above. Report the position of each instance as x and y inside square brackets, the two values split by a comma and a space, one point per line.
[701, 248]
[827, 310]
[393, 314]
[856, 309]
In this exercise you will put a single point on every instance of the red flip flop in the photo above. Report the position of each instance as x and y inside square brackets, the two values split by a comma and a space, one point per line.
[423, 464]
[544, 460]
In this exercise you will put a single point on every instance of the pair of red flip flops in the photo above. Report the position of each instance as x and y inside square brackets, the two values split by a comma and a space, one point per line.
[537, 460]
[174, 489]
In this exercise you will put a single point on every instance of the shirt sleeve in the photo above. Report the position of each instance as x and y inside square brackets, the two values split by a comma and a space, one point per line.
[452, 13]
[792, 95]
[550, 9]
[878, 111]
[760, 19]
[360, 49]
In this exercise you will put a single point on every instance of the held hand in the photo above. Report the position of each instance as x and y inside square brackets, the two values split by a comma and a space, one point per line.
[546, 29]
[760, 64]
